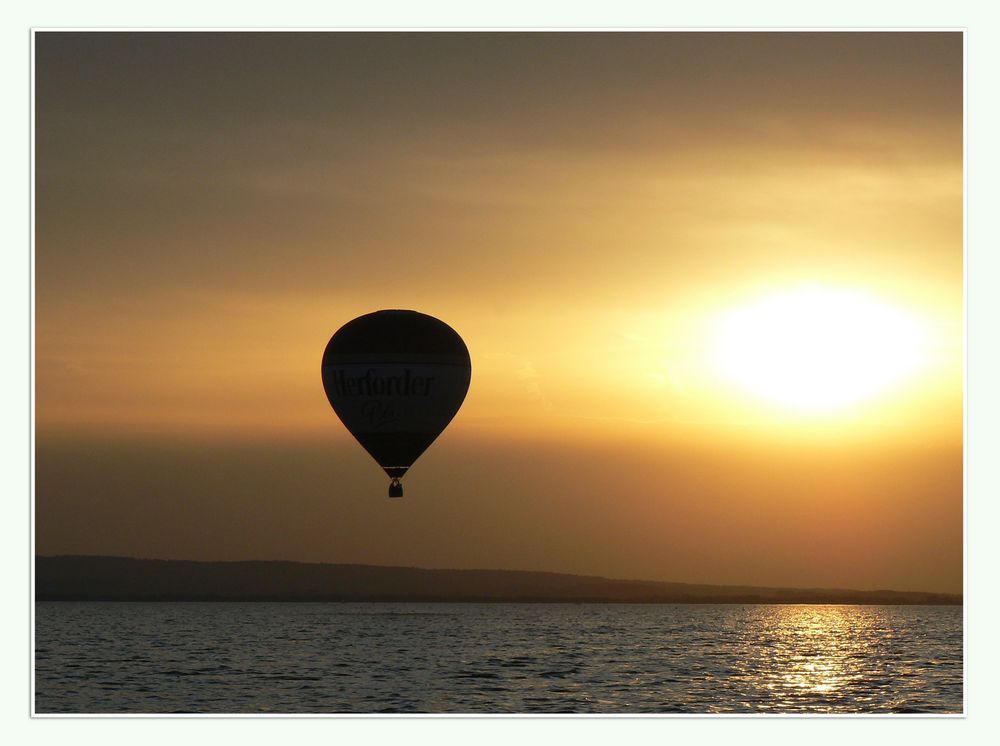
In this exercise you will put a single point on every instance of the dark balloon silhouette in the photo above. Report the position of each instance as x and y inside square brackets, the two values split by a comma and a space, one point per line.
[396, 379]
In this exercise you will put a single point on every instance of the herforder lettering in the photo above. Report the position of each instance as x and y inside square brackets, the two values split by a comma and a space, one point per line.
[372, 384]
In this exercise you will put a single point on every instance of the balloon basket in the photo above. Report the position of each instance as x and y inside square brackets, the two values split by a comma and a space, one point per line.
[395, 488]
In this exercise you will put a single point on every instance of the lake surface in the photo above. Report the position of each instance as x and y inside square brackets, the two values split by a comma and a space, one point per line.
[495, 658]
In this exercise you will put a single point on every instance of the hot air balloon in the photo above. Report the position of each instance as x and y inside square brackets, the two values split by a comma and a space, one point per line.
[396, 379]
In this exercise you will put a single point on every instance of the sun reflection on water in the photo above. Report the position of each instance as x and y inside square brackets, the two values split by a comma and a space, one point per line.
[810, 653]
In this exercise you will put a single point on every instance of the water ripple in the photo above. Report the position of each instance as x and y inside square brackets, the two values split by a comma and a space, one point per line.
[495, 658]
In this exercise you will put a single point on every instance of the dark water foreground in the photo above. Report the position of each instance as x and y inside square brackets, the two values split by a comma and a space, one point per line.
[495, 658]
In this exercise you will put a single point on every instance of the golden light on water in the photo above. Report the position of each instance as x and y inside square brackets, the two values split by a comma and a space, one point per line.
[829, 647]
[818, 348]
[810, 654]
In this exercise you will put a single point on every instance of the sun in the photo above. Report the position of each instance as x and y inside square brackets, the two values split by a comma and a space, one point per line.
[817, 348]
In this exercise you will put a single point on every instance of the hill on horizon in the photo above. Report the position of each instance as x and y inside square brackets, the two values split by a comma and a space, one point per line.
[80, 578]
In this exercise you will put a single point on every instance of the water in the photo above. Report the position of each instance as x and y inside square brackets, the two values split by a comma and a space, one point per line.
[495, 658]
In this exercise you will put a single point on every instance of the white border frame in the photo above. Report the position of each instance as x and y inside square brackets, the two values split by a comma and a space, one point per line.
[986, 58]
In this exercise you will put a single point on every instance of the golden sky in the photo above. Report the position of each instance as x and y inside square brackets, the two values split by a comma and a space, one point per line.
[711, 283]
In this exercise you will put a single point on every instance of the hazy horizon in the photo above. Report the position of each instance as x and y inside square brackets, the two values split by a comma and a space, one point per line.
[607, 219]
[116, 578]
[543, 571]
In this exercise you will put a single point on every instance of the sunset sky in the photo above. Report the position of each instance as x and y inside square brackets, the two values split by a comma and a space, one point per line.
[711, 284]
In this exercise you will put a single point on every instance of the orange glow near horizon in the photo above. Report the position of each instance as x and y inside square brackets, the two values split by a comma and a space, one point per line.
[819, 352]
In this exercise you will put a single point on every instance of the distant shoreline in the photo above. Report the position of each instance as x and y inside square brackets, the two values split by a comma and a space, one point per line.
[113, 579]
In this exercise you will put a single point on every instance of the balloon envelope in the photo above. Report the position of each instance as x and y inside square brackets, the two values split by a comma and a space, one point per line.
[396, 379]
